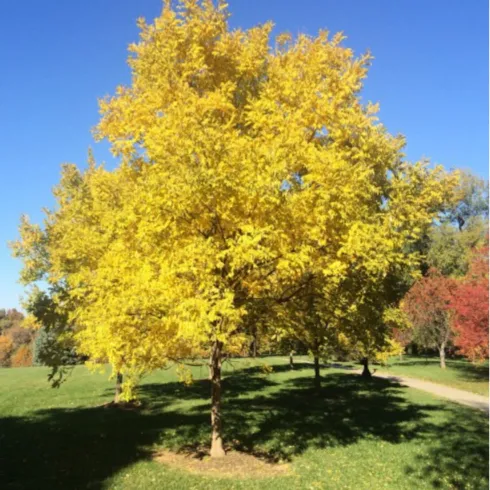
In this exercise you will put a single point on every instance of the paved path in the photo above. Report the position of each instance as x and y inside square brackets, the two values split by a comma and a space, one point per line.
[459, 396]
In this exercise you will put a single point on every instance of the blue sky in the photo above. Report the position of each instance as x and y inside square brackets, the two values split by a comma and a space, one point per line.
[430, 75]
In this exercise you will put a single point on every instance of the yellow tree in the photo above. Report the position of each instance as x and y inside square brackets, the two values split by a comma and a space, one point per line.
[245, 170]
[88, 253]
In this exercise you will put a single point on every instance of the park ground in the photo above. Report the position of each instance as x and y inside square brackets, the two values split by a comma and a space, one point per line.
[354, 434]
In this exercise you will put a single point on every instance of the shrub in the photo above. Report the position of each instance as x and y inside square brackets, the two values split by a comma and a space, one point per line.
[22, 356]
[6, 348]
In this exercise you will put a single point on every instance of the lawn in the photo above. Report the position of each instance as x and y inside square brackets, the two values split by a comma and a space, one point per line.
[458, 374]
[354, 434]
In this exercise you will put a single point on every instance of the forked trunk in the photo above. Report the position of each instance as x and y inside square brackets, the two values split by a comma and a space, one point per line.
[217, 450]
[442, 356]
[119, 381]
[318, 380]
[365, 372]
[291, 361]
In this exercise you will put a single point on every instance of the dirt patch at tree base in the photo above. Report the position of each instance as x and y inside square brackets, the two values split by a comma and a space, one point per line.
[235, 464]
[132, 405]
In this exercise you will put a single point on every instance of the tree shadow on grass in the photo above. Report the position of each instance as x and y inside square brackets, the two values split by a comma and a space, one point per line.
[157, 396]
[287, 422]
[78, 448]
[471, 372]
[236, 383]
[280, 422]
[276, 368]
[458, 451]
[83, 448]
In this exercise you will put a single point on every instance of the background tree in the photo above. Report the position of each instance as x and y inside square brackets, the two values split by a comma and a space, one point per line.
[428, 306]
[470, 201]
[255, 325]
[403, 337]
[470, 304]
[10, 318]
[366, 335]
[446, 246]
[50, 349]
[461, 228]
[6, 350]
[305, 319]
[401, 329]
[22, 356]
[53, 345]
[450, 249]
[17, 336]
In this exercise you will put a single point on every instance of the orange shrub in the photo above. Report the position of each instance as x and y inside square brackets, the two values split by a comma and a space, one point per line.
[22, 356]
[6, 347]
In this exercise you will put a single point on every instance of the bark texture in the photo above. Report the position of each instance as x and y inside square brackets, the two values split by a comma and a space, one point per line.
[254, 346]
[119, 381]
[318, 381]
[442, 355]
[217, 450]
[366, 373]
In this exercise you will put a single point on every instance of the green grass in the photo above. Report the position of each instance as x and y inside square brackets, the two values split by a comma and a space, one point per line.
[355, 434]
[459, 374]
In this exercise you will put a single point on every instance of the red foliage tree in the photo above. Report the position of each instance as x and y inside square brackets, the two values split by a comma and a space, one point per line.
[470, 305]
[428, 305]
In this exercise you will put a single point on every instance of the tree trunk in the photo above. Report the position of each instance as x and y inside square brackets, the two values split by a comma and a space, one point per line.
[442, 356]
[401, 357]
[217, 450]
[318, 381]
[119, 381]
[291, 362]
[365, 372]
[254, 346]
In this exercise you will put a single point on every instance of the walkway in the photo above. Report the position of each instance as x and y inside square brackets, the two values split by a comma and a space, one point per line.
[459, 396]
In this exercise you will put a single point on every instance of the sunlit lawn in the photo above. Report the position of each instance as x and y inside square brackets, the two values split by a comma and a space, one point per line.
[355, 434]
